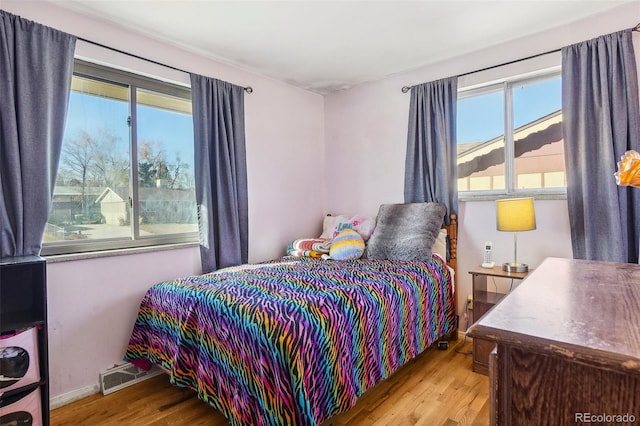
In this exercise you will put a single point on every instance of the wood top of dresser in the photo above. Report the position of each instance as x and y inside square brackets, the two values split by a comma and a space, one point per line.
[586, 310]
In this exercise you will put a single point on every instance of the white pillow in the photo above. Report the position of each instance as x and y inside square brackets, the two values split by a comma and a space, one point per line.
[362, 224]
[440, 244]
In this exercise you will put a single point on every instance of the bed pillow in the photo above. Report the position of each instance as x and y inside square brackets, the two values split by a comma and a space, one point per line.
[406, 231]
[440, 244]
[348, 244]
[362, 224]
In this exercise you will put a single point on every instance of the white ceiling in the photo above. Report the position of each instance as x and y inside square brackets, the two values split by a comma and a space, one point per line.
[325, 46]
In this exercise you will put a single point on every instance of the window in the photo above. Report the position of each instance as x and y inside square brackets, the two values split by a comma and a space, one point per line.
[510, 137]
[120, 126]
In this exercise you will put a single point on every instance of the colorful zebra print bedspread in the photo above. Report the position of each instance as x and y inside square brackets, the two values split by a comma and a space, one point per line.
[292, 341]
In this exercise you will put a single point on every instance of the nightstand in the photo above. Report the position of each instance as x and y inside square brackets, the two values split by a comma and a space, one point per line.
[483, 300]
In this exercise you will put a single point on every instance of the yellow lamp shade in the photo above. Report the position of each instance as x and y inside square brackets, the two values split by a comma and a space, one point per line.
[515, 214]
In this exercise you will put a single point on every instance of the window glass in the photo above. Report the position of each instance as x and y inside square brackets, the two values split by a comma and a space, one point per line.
[537, 135]
[166, 191]
[480, 134]
[89, 198]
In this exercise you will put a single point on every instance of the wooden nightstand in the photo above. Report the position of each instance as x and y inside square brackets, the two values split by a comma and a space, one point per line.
[483, 300]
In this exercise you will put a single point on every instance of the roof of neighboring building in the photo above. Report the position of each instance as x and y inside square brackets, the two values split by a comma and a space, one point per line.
[528, 137]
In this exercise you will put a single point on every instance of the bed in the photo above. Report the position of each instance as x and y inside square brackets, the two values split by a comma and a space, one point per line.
[295, 340]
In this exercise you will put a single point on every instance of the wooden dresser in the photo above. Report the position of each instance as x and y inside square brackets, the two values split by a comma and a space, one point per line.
[567, 346]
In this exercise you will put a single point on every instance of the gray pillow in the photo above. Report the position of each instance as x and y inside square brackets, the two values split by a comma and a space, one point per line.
[406, 231]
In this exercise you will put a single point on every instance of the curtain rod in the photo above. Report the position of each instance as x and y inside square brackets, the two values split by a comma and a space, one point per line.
[405, 89]
[247, 89]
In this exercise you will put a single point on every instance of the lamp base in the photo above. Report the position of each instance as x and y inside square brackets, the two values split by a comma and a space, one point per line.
[515, 267]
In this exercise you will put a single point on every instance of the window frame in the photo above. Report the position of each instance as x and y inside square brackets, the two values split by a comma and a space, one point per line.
[133, 82]
[505, 85]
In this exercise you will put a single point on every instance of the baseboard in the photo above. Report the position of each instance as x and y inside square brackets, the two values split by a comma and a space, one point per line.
[75, 395]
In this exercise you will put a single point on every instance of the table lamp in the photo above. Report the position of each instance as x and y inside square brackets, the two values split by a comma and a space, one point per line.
[515, 215]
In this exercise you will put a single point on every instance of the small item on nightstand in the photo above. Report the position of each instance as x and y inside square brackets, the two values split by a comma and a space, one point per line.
[487, 260]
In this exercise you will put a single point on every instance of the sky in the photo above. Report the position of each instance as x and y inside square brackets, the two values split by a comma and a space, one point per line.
[172, 129]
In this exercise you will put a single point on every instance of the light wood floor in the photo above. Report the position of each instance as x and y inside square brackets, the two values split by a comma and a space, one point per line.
[436, 388]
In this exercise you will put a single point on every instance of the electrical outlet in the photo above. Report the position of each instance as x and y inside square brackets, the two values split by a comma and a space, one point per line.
[470, 302]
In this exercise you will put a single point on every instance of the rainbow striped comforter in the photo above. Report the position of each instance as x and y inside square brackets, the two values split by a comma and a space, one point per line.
[292, 341]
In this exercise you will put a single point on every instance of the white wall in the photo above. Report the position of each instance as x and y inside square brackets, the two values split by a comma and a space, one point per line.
[92, 303]
[366, 133]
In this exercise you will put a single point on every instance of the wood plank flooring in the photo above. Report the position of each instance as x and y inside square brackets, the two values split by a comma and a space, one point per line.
[436, 388]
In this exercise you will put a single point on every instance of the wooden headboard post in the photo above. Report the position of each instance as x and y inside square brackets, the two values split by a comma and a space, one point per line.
[452, 232]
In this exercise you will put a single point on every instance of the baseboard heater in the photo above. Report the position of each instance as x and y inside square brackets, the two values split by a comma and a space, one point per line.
[123, 375]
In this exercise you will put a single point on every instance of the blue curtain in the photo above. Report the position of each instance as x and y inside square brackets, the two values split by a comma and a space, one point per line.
[220, 172]
[430, 166]
[36, 66]
[600, 123]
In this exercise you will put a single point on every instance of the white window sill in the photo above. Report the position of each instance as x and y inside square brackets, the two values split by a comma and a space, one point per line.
[494, 196]
[116, 252]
